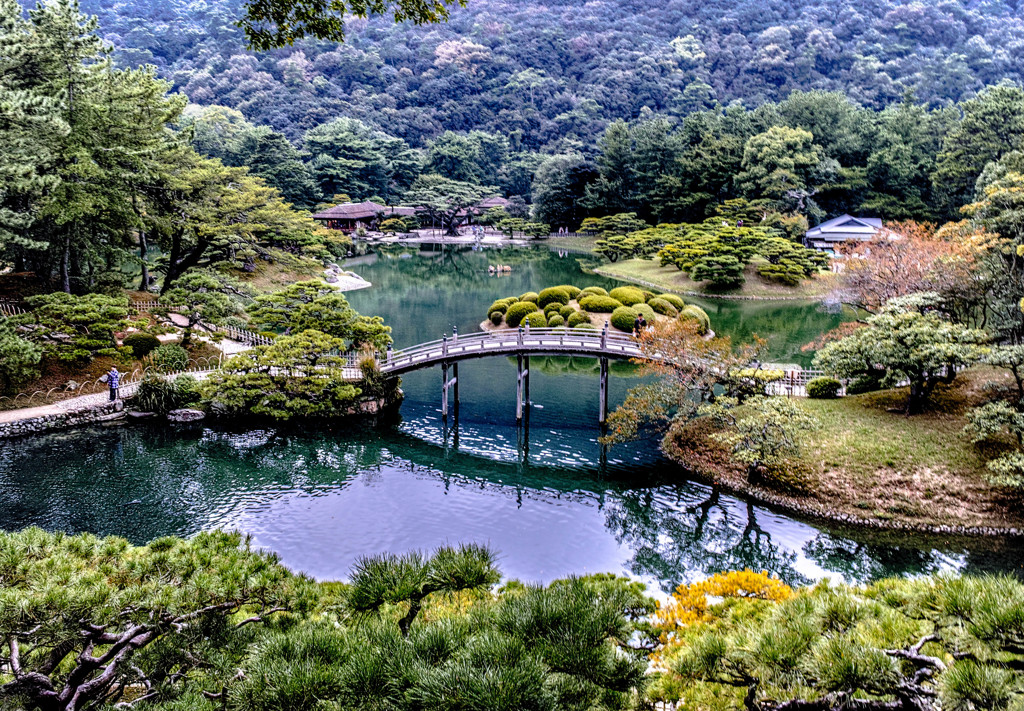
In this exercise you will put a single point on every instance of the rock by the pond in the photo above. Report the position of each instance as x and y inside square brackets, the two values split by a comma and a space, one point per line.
[185, 415]
[137, 415]
[331, 278]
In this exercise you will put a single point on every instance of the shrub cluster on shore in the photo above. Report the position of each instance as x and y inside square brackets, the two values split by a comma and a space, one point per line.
[572, 307]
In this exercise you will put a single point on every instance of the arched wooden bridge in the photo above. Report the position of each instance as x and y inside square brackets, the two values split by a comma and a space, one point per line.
[522, 343]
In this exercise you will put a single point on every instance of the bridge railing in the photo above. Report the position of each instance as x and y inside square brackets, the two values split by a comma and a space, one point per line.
[485, 341]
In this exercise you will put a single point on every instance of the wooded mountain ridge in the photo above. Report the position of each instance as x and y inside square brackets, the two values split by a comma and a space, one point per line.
[551, 75]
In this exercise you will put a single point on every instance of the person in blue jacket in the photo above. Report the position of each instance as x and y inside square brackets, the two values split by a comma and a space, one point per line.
[113, 381]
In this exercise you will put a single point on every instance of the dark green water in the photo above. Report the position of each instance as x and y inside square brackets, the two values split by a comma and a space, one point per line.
[545, 498]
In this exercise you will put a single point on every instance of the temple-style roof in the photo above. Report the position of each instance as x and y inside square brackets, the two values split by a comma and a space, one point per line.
[488, 203]
[843, 229]
[361, 211]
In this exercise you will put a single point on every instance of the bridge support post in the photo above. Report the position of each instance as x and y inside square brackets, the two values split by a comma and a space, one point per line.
[602, 415]
[455, 387]
[526, 383]
[519, 388]
[444, 390]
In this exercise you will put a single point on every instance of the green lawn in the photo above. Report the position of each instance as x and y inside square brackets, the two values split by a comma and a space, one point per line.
[870, 460]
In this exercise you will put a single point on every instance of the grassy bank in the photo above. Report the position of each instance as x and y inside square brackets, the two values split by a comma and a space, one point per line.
[870, 463]
[649, 273]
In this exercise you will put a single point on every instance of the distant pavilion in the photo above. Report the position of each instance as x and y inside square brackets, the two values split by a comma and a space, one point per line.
[845, 228]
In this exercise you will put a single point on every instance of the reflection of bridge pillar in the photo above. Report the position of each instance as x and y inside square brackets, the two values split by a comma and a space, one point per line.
[602, 415]
[522, 385]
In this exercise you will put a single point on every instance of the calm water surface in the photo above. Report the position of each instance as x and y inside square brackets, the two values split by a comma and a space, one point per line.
[545, 496]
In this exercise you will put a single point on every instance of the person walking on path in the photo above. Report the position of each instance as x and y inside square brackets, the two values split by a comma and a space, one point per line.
[113, 381]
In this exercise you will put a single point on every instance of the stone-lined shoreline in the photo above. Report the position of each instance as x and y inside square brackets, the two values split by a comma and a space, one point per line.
[51, 418]
[821, 512]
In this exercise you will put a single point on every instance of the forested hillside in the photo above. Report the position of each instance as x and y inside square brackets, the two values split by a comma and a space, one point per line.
[551, 73]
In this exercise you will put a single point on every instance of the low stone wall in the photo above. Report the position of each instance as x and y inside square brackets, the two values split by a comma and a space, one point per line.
[62, 420]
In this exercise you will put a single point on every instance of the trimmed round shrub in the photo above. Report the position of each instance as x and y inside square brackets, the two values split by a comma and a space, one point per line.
[553, 295]
[535, 320]
[697, 314]
[553, 308]
[497, 317]
[555, 320]
[648, 295]
[861, 385]
[531, 296]
[576, 318]
[674, 300]
[663, 307]
[501, 305]
[591, 291]
[823, 388]
[623, 318]
[646, 311]
[517, 311]
[170, 358]
[585, 326]
[627, 295]
[600, 304]
[566, 311]
[142, 344]
[574, 291]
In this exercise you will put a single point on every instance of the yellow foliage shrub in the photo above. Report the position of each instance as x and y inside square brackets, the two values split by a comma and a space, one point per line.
[690, 603]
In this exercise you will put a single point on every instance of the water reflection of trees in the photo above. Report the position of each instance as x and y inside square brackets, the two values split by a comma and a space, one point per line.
[459, 267]
[695, 533]
[866, 556]
[145, 482]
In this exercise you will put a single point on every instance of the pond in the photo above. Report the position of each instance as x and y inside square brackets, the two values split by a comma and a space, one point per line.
[546, 496]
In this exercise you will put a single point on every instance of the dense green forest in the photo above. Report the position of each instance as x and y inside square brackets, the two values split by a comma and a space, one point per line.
[663, 109]
[105, 160]
[548, 74]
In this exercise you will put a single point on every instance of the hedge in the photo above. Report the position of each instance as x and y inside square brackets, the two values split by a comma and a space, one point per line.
[587, 326]
[529, 296]
[623, 318]
[566, 311]
[591, 291]
[553, 308]
[576, 318]
[553, 295]
[697, 314]
[674, 300]
[627, 295]
[497, 317]
[663, 307]
[517, 311]
[862, 384]
[600, 304]
[142, 344]
[535, 320]
[556, 320]
[823, 388]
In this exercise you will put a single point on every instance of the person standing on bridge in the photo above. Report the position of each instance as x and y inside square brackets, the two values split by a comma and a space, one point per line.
[114, 382]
